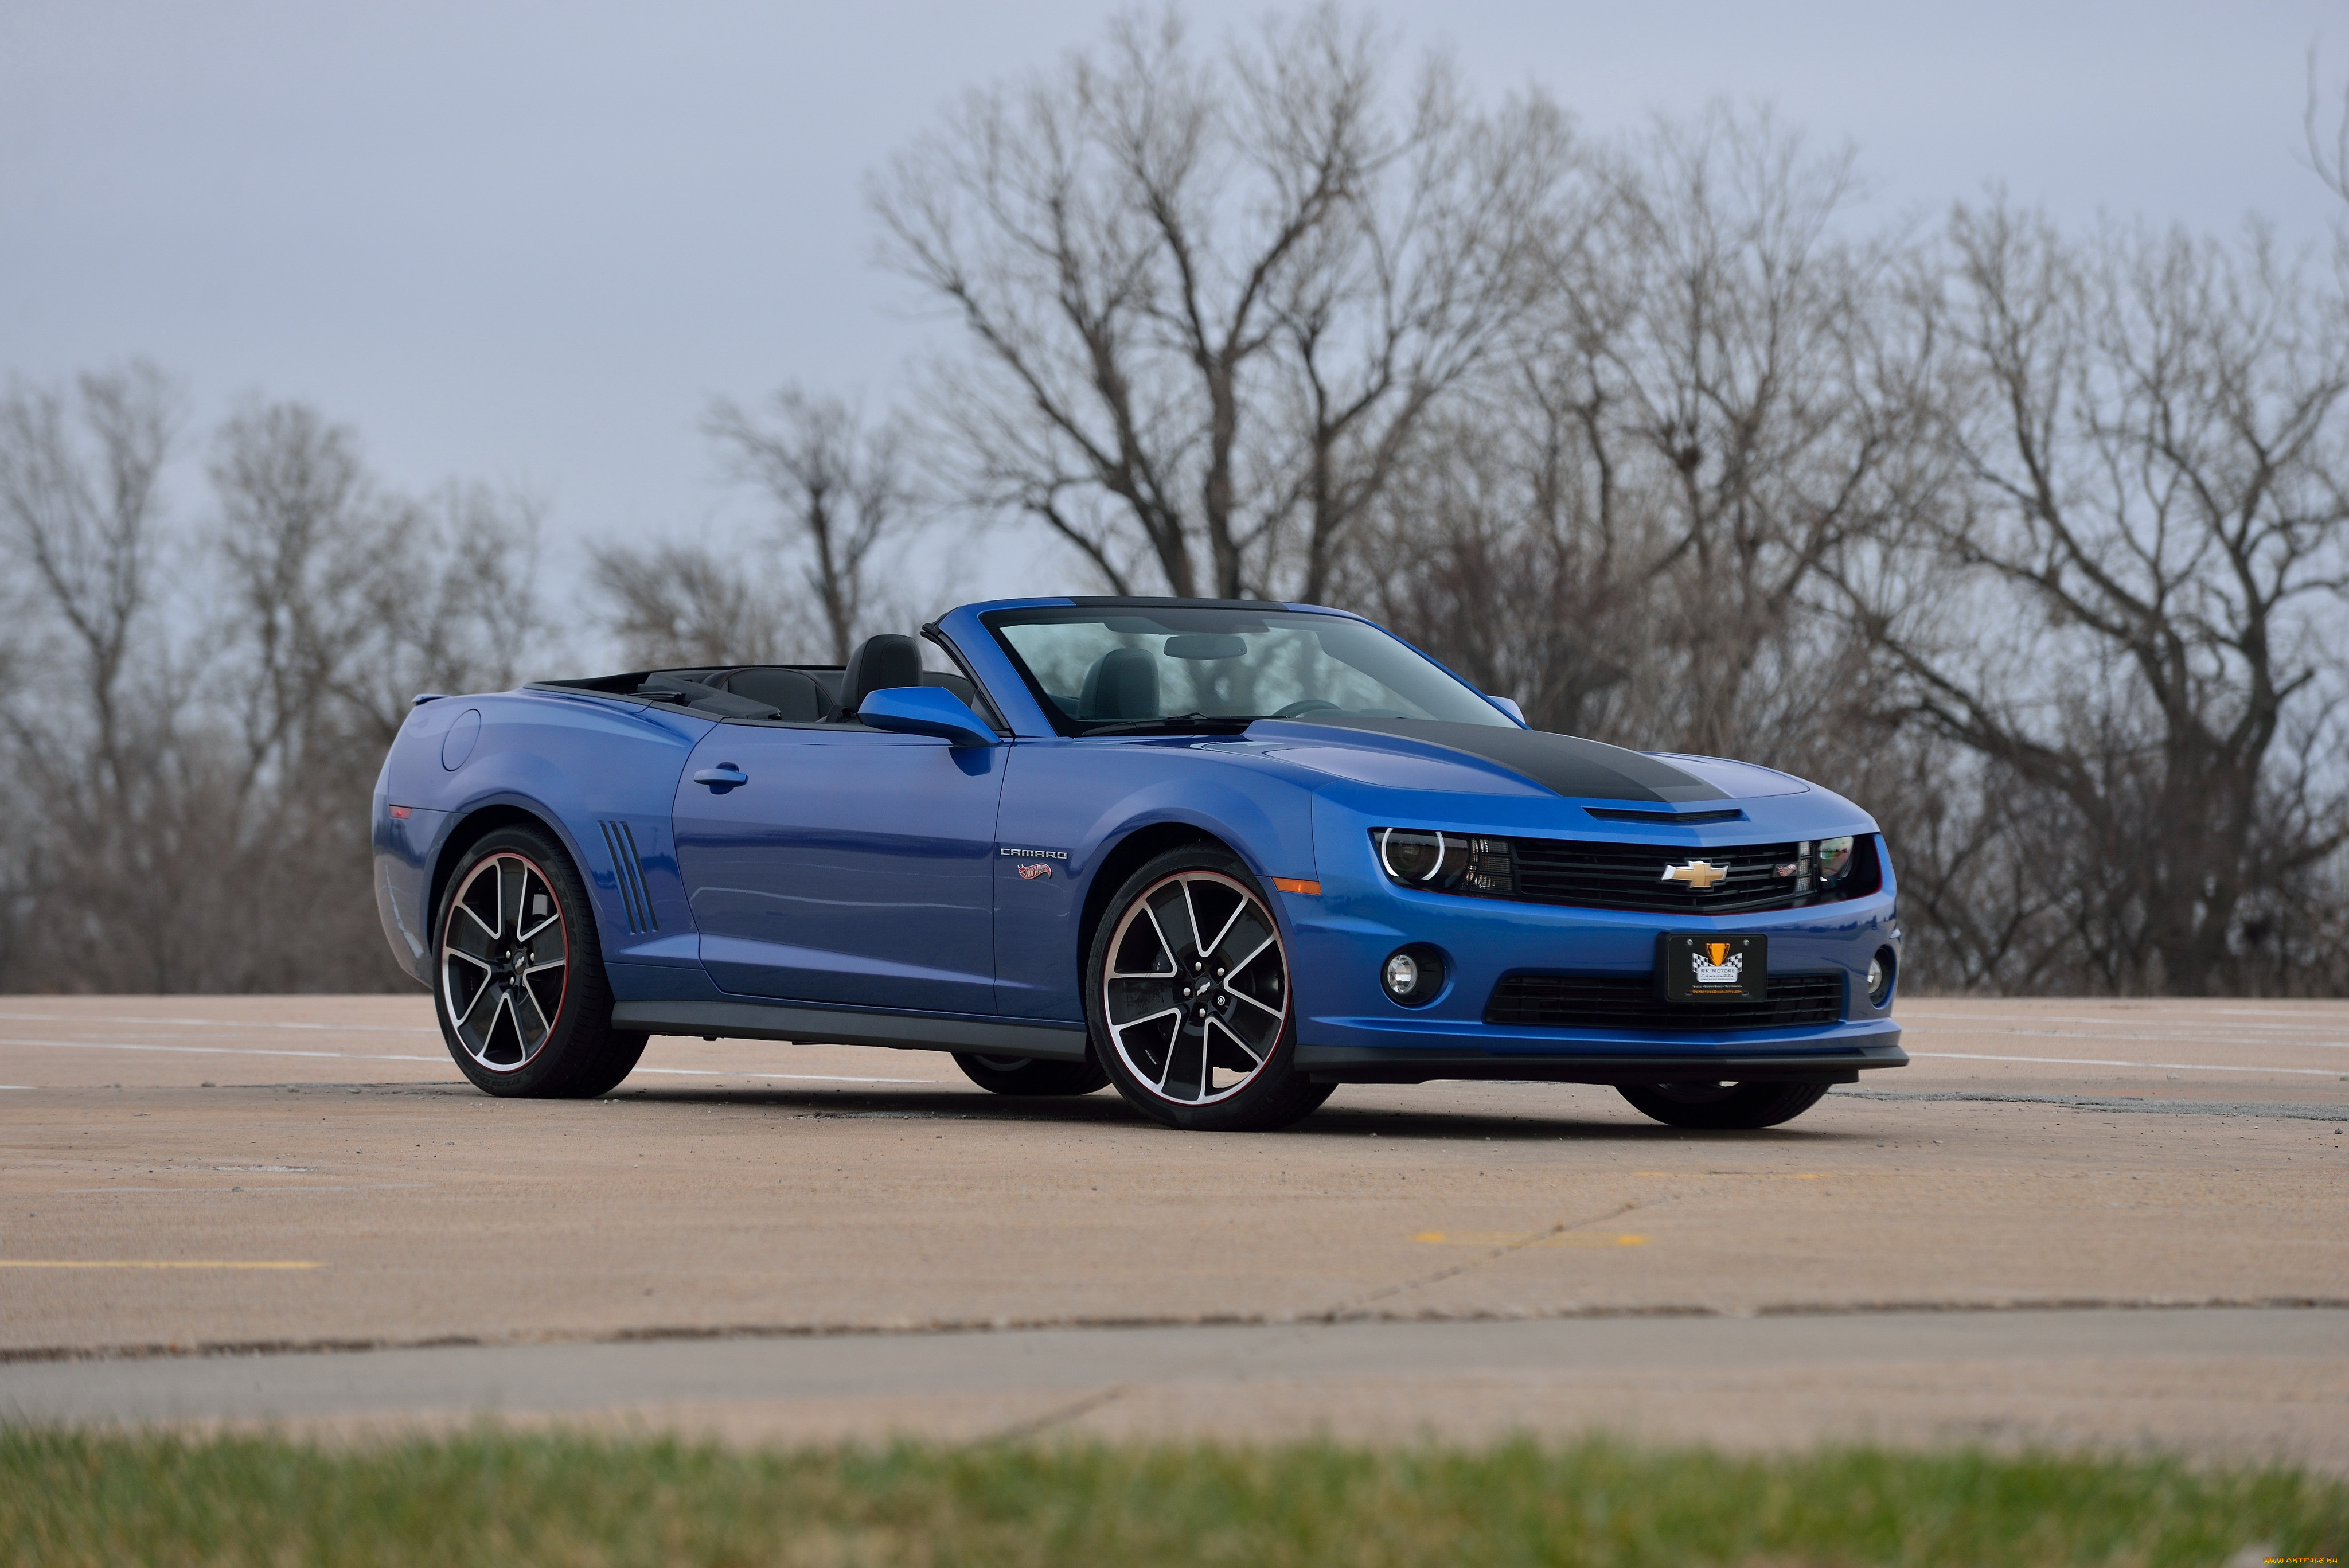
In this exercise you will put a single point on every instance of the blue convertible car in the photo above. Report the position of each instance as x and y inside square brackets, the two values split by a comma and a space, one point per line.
[1223, 855]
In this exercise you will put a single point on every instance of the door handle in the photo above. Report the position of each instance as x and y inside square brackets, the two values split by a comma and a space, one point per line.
[723, 777]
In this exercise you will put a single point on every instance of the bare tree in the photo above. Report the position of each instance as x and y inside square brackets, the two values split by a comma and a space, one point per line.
[1744, 399]
[201, 712]
[304, 540]
[682, 604]
[80, 498]
[457, 606]
[2156, 433]
[346, 600]
[1630, 524]
[1485, 553]
[109, 857]
[2328, 151]
[839, 488]
[1209, 300]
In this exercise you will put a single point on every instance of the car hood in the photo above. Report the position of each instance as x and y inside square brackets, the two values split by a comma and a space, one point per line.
[1490, 760]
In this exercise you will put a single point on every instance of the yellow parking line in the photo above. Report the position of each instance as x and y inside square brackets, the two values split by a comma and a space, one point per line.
[1755, 1175]
[156, 1263]
[1525, 1238]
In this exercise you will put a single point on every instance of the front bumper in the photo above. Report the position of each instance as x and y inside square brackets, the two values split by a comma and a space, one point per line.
[1349, 1030]
[1541, 1061]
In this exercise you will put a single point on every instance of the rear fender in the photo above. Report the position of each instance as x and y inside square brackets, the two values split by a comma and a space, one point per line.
[599, 776]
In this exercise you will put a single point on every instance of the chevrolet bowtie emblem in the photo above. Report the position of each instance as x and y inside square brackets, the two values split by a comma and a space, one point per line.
[1697, 874]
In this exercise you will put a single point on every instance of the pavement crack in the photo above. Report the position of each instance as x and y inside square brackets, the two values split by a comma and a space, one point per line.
[1075, 1410]
[2134, 1106]
[1359, 1314]
[1365, 1303]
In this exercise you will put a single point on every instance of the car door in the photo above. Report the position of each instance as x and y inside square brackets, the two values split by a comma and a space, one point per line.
[846, 866]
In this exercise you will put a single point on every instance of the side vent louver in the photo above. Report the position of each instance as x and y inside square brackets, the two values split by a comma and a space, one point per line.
[629, 867]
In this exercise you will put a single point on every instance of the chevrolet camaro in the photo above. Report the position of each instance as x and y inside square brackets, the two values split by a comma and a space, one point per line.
[1223, 855]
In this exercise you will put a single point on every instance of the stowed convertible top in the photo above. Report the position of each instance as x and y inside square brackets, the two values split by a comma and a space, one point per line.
[786, 693]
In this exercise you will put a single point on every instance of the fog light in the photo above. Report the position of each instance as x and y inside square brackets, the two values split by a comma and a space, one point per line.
[1879, 978]
[1412, 975]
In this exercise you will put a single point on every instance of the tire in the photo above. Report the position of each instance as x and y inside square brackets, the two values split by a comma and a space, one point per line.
[515, 935]
[1031, 1075]
[1721, 1106]
[1164, 1036]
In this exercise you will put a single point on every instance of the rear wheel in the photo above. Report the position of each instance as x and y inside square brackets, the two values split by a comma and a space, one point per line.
[1720, 1106]
[1029, 1074]
[523, 1002]
[1186, 989]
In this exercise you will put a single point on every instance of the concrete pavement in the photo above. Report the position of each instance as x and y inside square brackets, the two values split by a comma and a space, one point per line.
[314, 1175]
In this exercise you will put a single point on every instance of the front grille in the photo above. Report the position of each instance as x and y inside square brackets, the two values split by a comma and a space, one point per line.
[1632, 877]
[1629, 1001]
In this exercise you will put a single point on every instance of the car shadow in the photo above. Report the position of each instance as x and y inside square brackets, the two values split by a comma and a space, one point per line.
[1581, 1124]
[1596, 1121]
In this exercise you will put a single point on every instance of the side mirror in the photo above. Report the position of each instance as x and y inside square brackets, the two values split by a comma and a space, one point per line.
[925, 710]
[1508, 705]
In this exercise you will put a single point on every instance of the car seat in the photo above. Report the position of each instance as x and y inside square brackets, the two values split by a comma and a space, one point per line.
[1122, 685]
[892, 658]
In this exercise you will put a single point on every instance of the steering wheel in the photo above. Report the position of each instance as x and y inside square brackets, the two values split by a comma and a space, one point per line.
[1307, 705]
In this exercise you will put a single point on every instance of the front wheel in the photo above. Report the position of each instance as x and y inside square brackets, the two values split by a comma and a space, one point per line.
[1029, 1074]
[520, 987]
[1187, 994]
[1722, 1106]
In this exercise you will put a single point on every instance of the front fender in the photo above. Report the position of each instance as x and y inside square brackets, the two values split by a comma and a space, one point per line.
[1084, 799]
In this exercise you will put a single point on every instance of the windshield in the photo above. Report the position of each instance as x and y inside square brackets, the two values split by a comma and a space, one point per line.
[1168, 668]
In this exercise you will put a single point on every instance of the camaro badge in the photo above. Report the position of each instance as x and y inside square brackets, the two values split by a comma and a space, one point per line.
[1697, 874]
[1716, 966]
[1030, 873]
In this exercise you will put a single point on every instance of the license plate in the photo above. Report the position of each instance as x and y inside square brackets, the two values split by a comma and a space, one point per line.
[1709, 968]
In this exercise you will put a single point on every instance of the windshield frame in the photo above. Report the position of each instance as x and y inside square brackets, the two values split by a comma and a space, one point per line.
[1081, 611]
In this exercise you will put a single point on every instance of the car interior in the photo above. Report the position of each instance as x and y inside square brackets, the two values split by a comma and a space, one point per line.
[1122, 685]
[790, 693]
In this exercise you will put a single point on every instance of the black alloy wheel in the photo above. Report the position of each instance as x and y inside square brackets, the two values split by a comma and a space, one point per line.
[519, 984]
[1031, 1074]
[1722, 1106]
[1187, 994]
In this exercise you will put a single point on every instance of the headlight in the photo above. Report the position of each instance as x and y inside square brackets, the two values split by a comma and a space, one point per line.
[1834, 860]
[1446, 862]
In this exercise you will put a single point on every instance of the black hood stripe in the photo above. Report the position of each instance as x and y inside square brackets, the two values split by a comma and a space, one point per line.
[1572, 766]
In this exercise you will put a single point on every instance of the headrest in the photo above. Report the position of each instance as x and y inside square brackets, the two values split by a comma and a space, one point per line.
[1122, 685]
[880, 662]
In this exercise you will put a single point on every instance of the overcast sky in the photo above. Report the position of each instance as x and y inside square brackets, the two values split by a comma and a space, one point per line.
[527, 244]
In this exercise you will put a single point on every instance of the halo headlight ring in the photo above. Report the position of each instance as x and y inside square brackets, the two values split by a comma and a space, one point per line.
[1413, 857]
[1437, 860]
